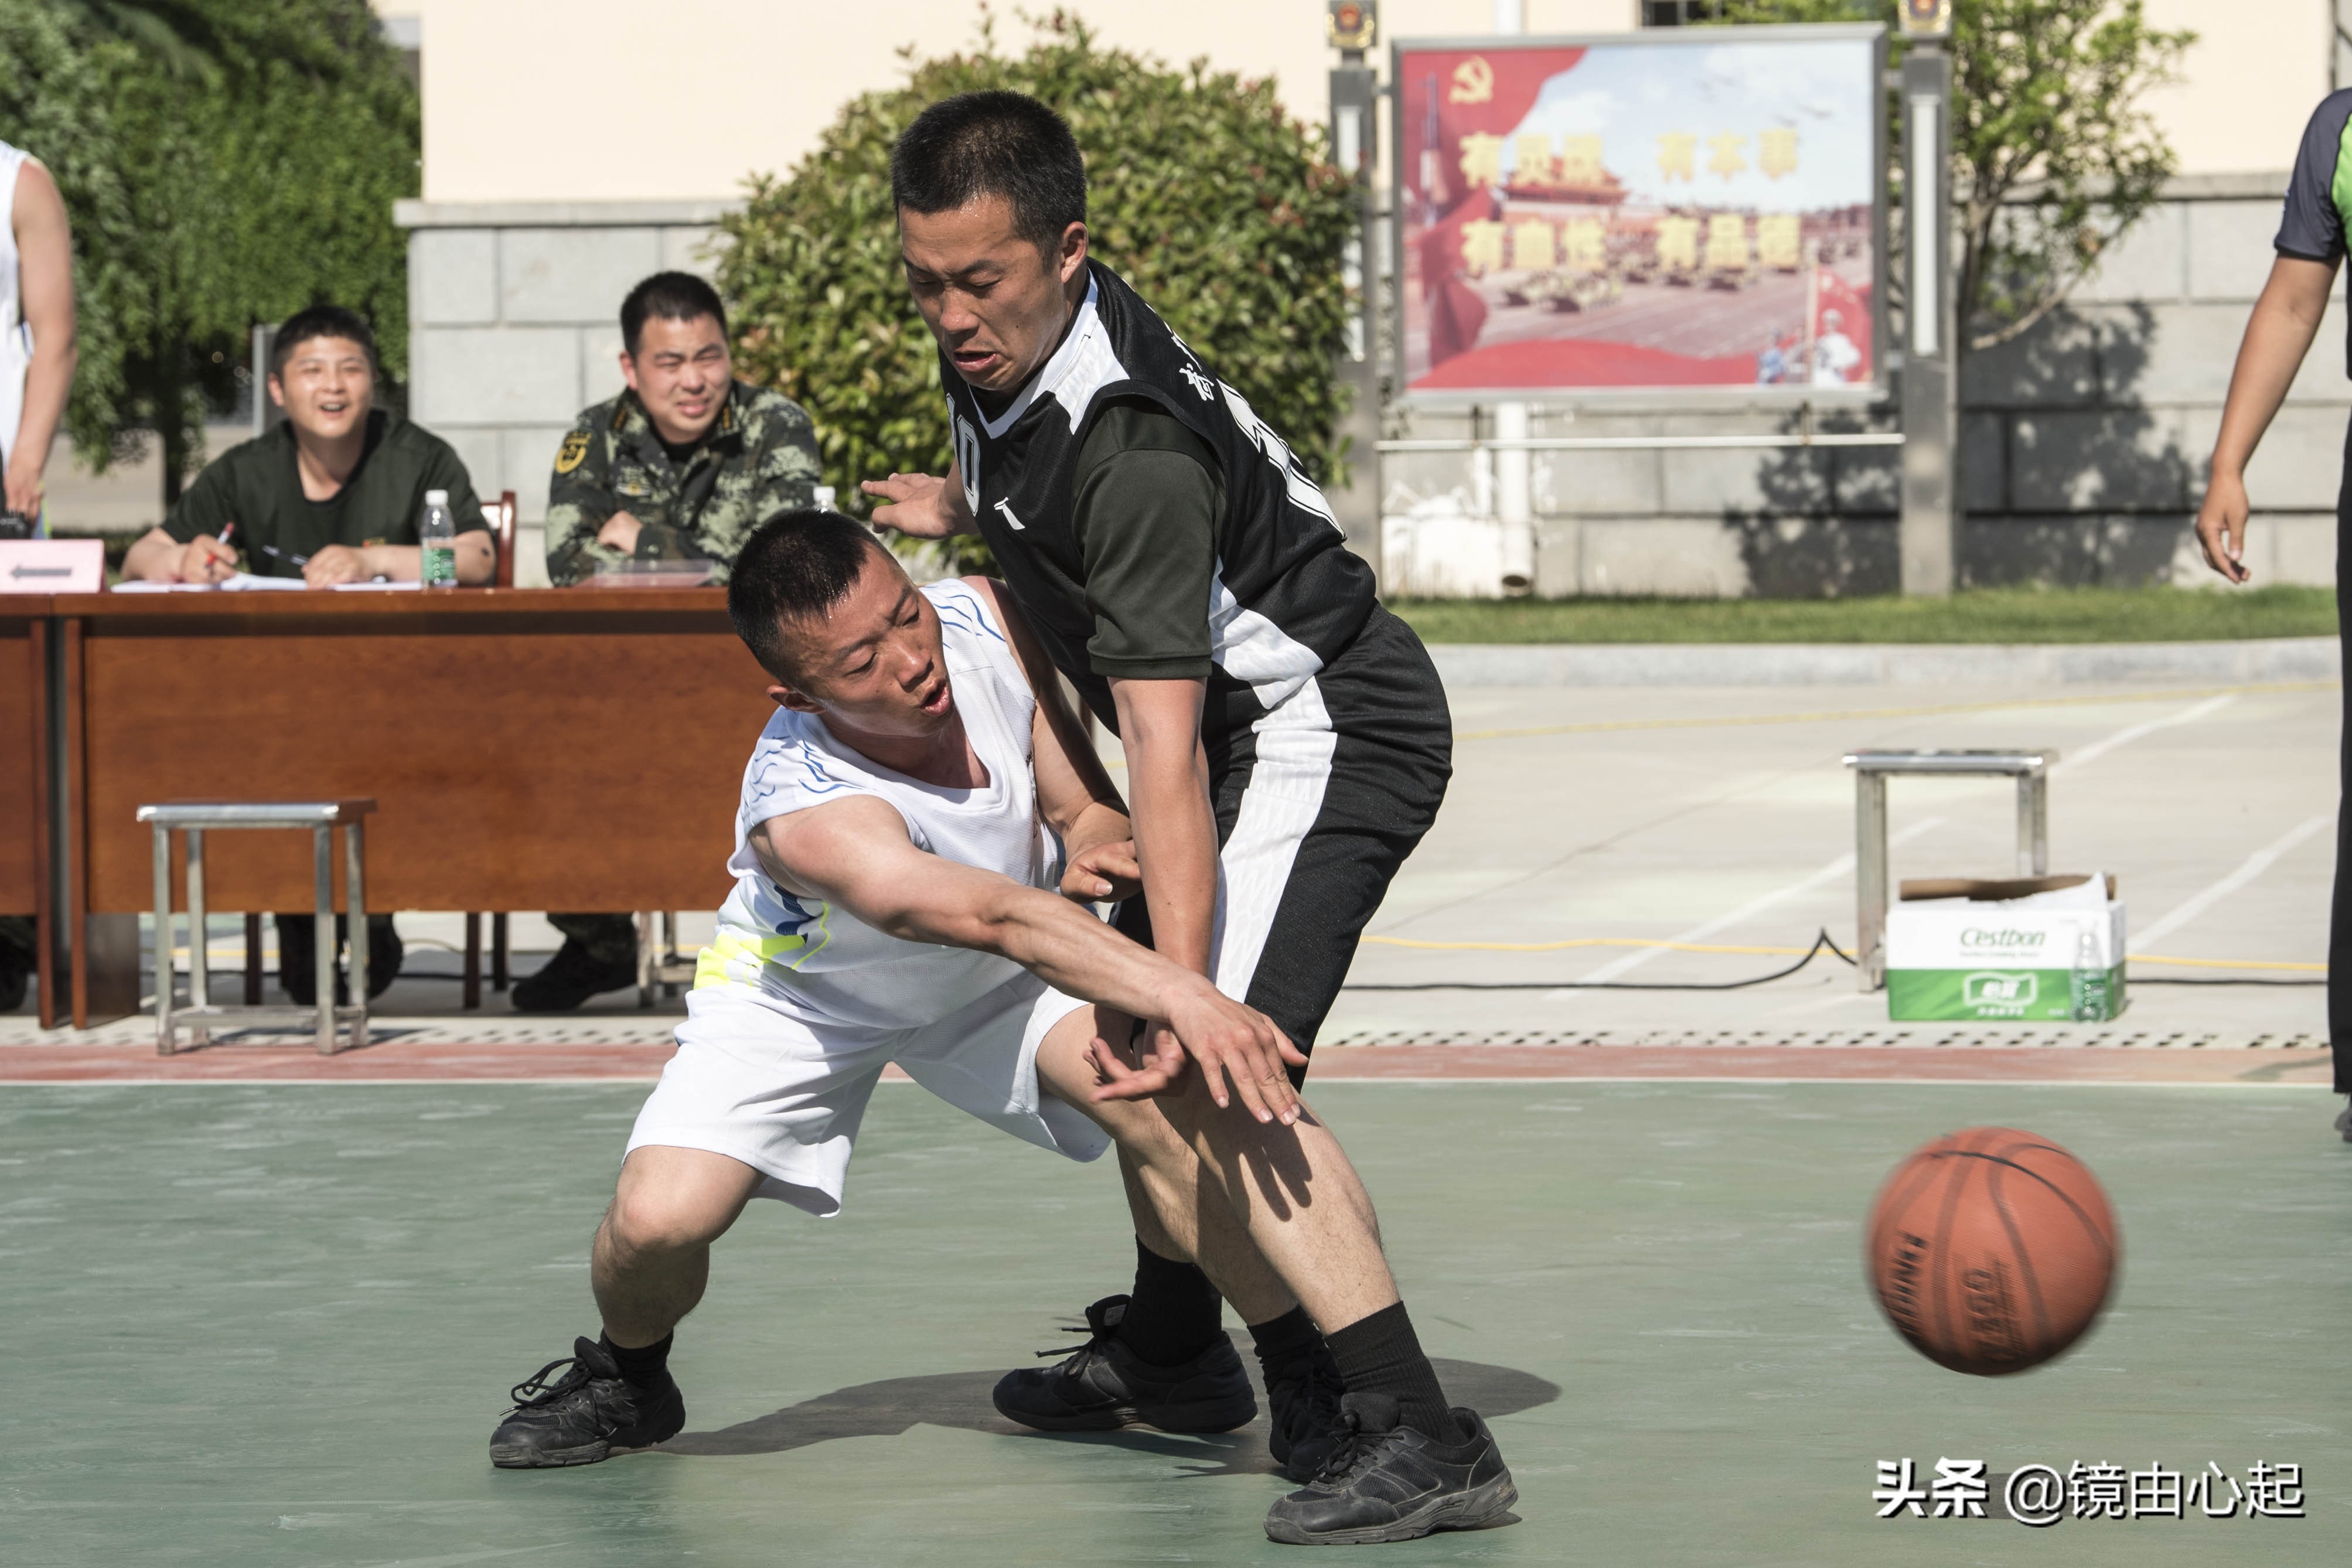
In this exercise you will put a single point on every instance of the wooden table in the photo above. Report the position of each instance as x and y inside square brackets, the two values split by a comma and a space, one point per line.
[25, 774]
[528, 748]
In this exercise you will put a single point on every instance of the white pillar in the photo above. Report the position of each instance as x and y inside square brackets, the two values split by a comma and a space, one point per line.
[1514, 482]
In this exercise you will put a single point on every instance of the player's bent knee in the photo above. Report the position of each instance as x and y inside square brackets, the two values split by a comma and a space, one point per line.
[669, 1199]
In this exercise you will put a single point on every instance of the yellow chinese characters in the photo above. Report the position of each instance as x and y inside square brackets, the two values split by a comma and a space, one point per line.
[1727, 242]
[1482, 158]
[1535, 161]
[1579, 161]
[1585, 245]
[1678, 243]
[1482, 246]
[1676, 151]
[1726, 159]
[1534, 246]
[1780, 241]
[1776, 151]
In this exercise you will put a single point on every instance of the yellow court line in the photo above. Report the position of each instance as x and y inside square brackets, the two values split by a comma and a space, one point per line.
[1921, 711]
[1574, 942]
[1775, 952]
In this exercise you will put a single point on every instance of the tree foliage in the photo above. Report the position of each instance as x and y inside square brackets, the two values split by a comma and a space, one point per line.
[1204, 193]
[225, 163]
[2053, 157]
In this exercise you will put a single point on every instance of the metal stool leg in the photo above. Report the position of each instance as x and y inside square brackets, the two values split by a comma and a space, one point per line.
[355, 903]
[163, 982]
[322, 962]
[469, 994]
[1870, 878]
[498, 952]
[252, 960]
[2042, 824]
[200, 978]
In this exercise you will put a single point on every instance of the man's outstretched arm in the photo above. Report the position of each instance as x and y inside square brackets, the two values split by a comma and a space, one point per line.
[857, 854]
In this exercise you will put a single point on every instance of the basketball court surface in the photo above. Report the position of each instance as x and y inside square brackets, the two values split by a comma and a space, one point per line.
[265, 1309]
[272, 1324]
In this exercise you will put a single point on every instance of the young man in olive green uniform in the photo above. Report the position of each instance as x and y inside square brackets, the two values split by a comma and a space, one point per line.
[679, 467]
[332, 495]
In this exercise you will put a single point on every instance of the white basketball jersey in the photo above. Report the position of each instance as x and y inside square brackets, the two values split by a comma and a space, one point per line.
[15, 337]
[813, 960]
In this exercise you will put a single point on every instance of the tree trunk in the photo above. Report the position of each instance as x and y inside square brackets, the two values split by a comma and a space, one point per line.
[170, 402]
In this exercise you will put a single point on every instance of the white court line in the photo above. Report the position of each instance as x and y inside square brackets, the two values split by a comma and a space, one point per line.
[2125, 737]
[2260, 861]
[1840, 867]
[1843, 864]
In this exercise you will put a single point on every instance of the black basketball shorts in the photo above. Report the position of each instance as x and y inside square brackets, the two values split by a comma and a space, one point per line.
[1317, 808]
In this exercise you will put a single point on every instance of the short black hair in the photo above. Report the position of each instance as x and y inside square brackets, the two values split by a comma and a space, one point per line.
[795, 565]
[320, 321]
[672, 296]
[993, 144]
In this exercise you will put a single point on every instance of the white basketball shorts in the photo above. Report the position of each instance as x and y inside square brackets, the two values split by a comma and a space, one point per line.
[786, 1098]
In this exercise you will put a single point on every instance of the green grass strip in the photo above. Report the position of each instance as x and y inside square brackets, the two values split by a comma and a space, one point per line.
[1975, 615]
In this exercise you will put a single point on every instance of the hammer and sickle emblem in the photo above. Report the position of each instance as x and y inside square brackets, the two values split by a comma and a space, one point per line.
[1474, 83]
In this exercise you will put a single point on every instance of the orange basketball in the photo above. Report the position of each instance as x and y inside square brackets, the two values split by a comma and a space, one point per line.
[1991, 1250]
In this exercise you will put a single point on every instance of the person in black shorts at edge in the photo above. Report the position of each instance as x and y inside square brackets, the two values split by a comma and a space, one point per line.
[1286, 739]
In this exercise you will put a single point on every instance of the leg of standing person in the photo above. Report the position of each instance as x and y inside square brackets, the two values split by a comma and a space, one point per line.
[2339, 932]
[1315, 810]
[599, 954]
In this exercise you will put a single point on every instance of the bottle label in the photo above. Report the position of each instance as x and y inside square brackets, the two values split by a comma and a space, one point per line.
[438, 567]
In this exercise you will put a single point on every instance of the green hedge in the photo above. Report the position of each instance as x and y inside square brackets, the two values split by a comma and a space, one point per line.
[1205, 195]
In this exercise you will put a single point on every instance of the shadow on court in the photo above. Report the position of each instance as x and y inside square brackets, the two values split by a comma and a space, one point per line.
[960, 1399]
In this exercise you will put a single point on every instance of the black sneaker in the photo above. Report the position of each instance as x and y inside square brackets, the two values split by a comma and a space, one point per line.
[588, 1413]
[1102, 1386]
[571, 977]
[1387, 1482]
[1302, 1395]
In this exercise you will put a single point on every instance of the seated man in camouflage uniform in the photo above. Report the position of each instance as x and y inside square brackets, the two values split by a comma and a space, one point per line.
[680, 468]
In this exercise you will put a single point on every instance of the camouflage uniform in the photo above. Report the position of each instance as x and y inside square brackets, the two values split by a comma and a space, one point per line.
[760, 459]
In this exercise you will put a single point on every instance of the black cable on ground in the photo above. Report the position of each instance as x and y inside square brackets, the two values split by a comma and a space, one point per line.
[1821, 941]
[2165, 980]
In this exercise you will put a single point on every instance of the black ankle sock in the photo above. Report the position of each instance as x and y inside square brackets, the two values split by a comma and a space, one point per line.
[1284, 1338]
[1174, 1314]
[644, 1364]
[1381, 1354]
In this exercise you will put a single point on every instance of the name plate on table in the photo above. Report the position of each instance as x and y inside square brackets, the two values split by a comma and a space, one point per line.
[52, 565]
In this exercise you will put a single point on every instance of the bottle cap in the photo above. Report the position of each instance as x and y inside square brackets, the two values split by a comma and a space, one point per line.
[436, 497]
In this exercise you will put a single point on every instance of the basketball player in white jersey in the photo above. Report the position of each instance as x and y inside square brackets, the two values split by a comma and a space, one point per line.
[906, 820]
[36, 367]
[37, 325]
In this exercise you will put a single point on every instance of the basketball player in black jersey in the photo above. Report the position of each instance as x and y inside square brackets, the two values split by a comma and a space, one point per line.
[1287, 744]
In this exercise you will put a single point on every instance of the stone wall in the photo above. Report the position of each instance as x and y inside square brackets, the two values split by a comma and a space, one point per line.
[2084, 451]
[514, 327]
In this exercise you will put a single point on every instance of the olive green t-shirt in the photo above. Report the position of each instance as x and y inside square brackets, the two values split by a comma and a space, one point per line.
[255, 485]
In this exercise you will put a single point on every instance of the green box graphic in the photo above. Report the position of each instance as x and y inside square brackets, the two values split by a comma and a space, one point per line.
[1998, 994]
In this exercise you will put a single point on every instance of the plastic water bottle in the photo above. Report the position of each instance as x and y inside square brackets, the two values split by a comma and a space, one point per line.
[825, 494]
[437, 535]
[2087, 983]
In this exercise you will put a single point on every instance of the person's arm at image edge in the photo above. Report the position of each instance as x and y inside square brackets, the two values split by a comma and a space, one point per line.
[2278, 335]
[45, 286]
[857, 854]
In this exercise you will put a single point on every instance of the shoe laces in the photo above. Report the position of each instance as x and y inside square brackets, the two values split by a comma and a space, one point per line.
[1100, 1328]
[1352, 1449]
[536, 1390]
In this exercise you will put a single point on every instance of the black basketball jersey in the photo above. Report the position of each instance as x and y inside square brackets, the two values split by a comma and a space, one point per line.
[1287, 596]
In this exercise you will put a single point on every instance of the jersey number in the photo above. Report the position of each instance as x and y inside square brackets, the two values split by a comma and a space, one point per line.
[1304, 494]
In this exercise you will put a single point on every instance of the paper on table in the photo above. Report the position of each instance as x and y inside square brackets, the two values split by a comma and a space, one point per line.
[238, 583]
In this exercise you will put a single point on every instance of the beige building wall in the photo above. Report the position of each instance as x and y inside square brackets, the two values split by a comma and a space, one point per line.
[597, 101]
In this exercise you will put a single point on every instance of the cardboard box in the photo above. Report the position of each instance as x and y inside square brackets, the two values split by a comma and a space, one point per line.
[2039, 948]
